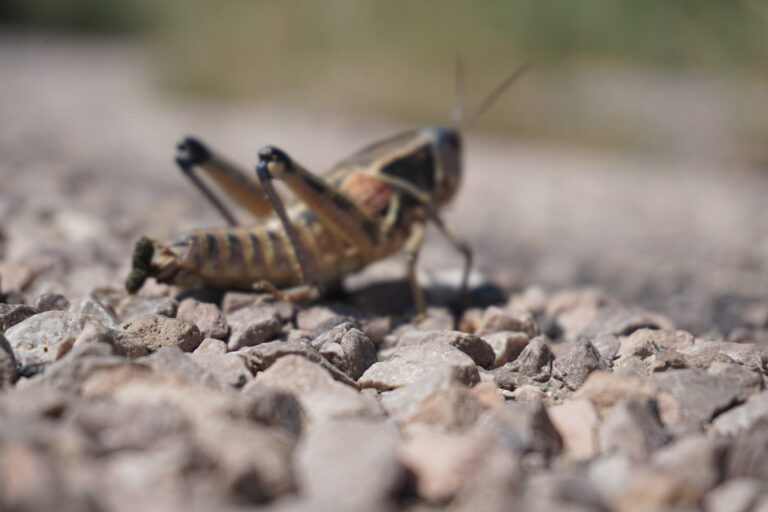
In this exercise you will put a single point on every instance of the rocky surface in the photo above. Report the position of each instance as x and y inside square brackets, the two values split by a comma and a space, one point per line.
[316, 415]
[533, 398]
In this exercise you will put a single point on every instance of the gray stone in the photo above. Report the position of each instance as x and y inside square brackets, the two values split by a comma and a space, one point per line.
[695, 460]
[321, 397]
[506, 345]
[90, 305]
[474, 346]
[494, 484]
[744, 417]
[350, 465]
[408, 364]
[229, 368]
[47, 336]
[172, 360]
[452, 410]
[12, 314]
[575, 366]
[496, 319]
[211, 346]
[123, 344]
[50, 302]
[737, 495]
[273, 407]
[665, 339]
[618, 320]
[72, 371]
[207, 317]
[700, 395]
[607, 346]
[8, 366]
[441, 463]
[631, 366]
[746, 354]
[633, 429]
[137, 306]
[264, 355]
[347, 348]
[522, 427]
[534, 364]
[311, 318]
[403, 402]
[748, 380]
[252, 325]
[746, 454]
[160, 331]
[576, 421]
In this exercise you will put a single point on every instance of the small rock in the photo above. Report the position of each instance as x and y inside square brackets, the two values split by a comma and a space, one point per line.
[528, 393]
[621, 321]
[631, 366]
[575, 366]
[230, 368]
[251, 326]
[641, 346]
[403, 402]
[523, 428]
[350, 465]
[576, 421]
[409, 364]
[606, 389]
[50, 302]
[607, 346]
[533, 364]
[347, 348]
[211, 346]
[506, 345]
[160, 331]
[171, 360]
[695, 459]
[633, 429]
[8, 368]
[206, 316]
[452, 410]
[474, 346]
[273, 408]
[122, 344]
[12, 314]
[496, 319]
[320, 395]
[746, 454]
[667, 339]
[90, 305]
[310, 318]
[442, 462]
[737, 495]
[266, 354]
[746, 354]
[495, 483]
[748, 380]
[47, 336]
[744, 417]
[137, 306]
[699, 394]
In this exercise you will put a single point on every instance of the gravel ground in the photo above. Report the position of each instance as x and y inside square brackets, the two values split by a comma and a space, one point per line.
[644, 390]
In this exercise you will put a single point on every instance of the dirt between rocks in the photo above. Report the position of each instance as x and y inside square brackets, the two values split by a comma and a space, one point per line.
[643, 391]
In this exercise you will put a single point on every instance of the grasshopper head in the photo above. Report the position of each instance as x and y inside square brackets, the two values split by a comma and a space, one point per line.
[446, 145]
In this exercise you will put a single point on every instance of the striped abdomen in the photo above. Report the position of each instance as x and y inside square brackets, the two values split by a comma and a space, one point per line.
[239, 257]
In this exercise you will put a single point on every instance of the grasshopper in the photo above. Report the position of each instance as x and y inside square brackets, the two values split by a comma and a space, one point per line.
[367, 207]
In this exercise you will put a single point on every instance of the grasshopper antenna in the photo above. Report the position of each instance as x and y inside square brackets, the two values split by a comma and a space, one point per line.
[459, 95]
[494, 95]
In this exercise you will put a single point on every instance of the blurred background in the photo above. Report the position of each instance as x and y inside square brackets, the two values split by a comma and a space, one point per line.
[633, 157]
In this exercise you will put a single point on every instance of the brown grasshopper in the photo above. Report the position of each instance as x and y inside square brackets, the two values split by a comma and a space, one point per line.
[365, 208]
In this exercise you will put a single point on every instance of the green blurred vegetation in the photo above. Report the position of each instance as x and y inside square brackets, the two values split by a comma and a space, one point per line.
[397, 56]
